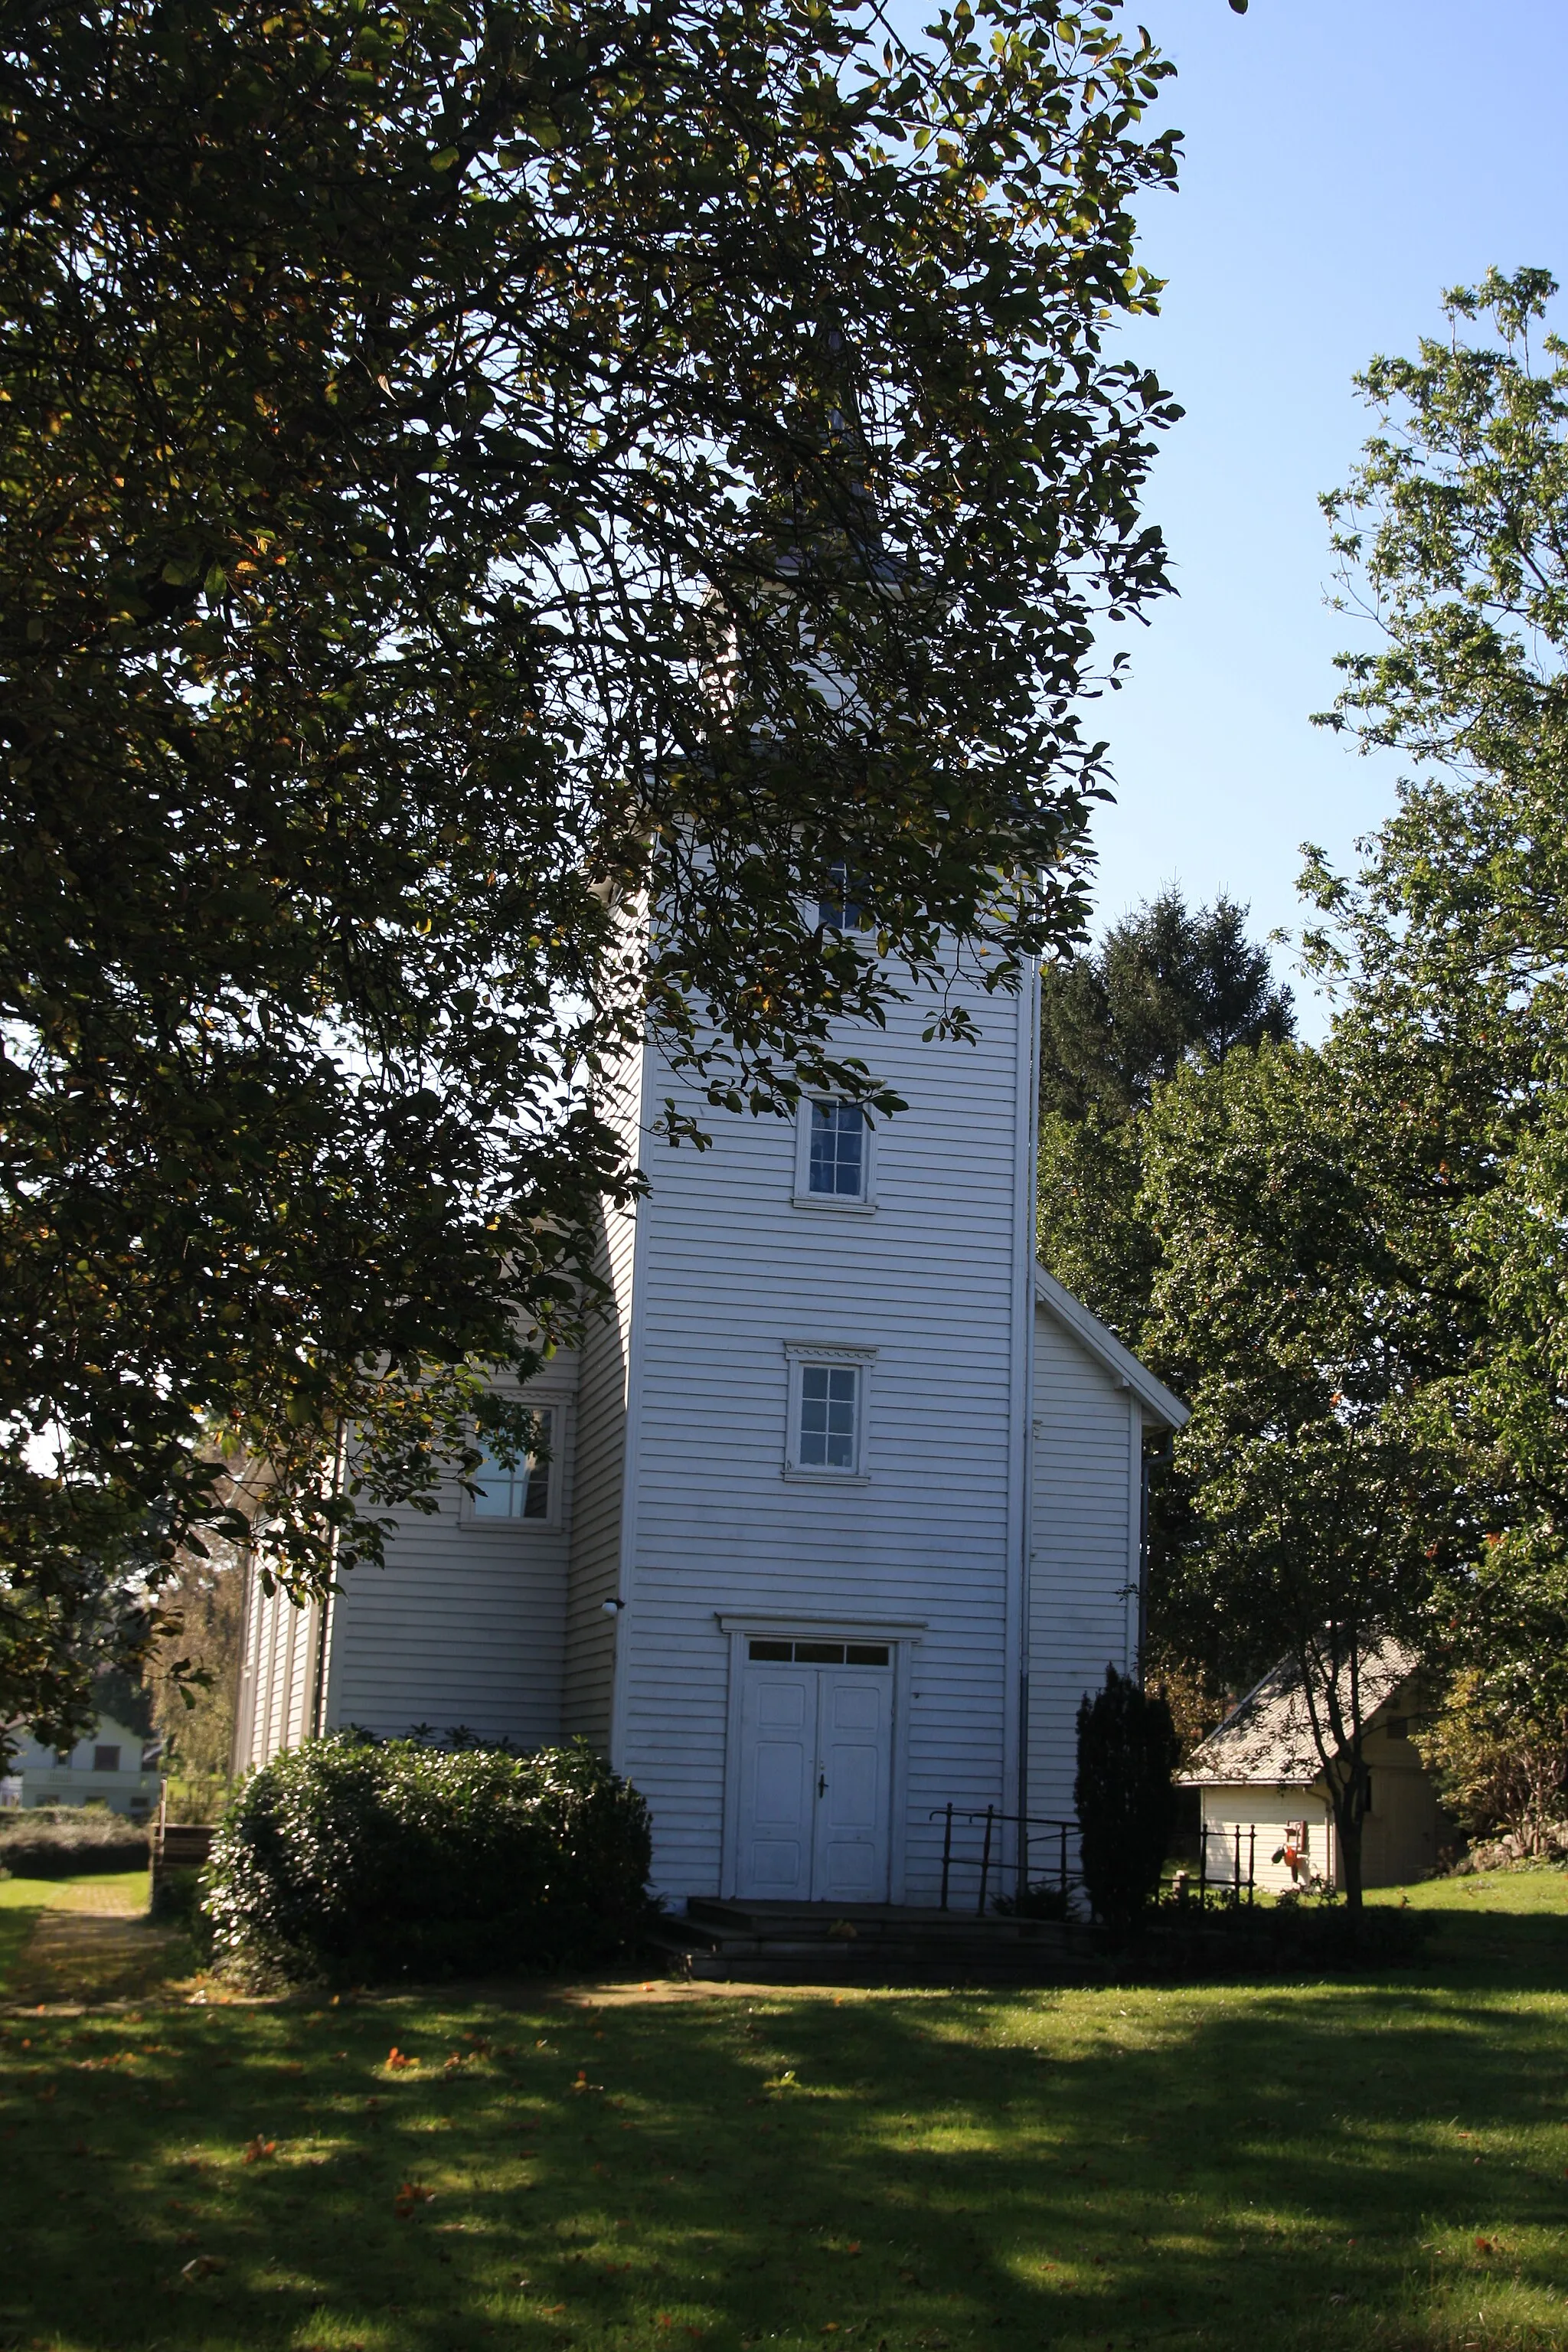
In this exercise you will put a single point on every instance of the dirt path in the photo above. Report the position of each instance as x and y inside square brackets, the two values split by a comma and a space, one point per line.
[93, 1943]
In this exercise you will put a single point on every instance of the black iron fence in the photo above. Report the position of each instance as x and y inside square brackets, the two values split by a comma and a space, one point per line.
[1040, 1865]
[1227, 1862]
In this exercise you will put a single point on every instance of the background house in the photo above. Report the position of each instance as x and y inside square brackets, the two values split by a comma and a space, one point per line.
[1259, 1773]
[108, 1767]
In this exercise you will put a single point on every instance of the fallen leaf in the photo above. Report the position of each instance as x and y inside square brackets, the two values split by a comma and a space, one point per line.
[258, 2149]
[201, 2266]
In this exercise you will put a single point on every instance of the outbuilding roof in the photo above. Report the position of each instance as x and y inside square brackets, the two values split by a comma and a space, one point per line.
[1267, 1738]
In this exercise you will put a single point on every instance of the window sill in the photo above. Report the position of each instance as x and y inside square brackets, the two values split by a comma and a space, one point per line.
[825, 1477]
[833, 1206]
[511, 1527]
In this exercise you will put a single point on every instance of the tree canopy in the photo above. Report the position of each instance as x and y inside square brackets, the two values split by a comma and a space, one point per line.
[474, 472]
[1169, 985]
[1167, 982]
[1450, 945]
[1349, 1258]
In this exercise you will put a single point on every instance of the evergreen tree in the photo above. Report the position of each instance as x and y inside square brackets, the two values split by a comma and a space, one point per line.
[1170, 985]
[1124, 1796]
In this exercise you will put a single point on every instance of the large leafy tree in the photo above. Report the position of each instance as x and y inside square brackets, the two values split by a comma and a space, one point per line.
[1168, 986]
[473, 472]
[1450, 944]
[1307, 1303]
[1358, 1251]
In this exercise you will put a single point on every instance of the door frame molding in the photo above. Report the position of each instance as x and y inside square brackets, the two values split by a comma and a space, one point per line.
[901, 1636]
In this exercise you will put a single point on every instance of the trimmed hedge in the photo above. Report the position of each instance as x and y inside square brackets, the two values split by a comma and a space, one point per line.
[70, 1843]
[359, 1860]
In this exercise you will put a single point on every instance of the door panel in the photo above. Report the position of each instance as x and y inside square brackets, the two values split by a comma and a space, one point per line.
[778, 1776]
[853, 1744]
[815, 1771]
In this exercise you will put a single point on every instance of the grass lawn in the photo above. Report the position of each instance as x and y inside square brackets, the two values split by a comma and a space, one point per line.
[1366, 2163]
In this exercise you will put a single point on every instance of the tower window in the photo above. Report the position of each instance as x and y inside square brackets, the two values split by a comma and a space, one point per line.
[836, 1165]
[829, 1416]
[828, 1411]
[836, 908]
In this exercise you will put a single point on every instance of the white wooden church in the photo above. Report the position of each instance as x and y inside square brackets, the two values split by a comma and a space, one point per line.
[841, 1513]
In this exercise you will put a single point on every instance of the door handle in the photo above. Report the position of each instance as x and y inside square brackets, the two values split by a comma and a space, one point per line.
[822, 1784]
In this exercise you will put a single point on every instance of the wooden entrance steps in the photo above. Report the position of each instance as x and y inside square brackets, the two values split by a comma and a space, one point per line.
[866, 1943]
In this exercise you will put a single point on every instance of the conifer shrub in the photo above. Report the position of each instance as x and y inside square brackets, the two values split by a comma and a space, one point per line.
[1125, 1800]
[354, 1860]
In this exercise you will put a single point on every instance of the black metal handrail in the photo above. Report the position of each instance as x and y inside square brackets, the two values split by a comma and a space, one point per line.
[994, 1820]
[1238, 1842]
[1230, 1838]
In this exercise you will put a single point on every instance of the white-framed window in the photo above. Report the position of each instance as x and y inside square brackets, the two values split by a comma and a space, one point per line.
[837, 909]
[833, 1155]
[526, 1492]
[828, 1392]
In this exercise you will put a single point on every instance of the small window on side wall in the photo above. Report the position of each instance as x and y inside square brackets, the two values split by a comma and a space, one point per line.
[524, 1489]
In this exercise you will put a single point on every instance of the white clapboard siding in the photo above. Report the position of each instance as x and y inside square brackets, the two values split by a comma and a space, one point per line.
[730, 1270]
[465, 1626]
[1085, 1508]
[279, 1665]
[603, 1391]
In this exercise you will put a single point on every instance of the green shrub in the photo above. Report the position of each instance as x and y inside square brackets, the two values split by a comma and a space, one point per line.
[1046, 1899]
[70, 1842]
[1126, 1802]
[358, 1862]
[178, 1901]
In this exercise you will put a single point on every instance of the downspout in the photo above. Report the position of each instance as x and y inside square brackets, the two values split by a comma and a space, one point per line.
[1026, 1481]
[324, 1620]
[1151, 1456]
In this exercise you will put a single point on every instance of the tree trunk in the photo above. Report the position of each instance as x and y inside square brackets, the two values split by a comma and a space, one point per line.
[1349, 1836]
[1349, 1819]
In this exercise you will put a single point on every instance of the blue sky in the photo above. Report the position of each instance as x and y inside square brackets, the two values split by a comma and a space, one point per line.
[1346, 159]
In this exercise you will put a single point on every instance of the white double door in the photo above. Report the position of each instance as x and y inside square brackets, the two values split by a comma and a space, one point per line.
[816, 1772]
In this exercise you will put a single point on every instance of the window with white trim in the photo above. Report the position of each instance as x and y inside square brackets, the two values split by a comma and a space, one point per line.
[827, 1389]
[836, 908]
[524, 1489]
[835, 1155]
[829, 1417]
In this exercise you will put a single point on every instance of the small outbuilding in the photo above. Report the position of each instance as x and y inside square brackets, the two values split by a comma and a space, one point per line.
[1265, 1803]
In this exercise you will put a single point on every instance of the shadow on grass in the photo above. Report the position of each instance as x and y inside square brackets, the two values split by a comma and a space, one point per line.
[1341, 2164]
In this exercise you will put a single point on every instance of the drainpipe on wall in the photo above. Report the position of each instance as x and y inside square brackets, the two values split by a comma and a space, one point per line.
[1151, 1455]
[324, 1620]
